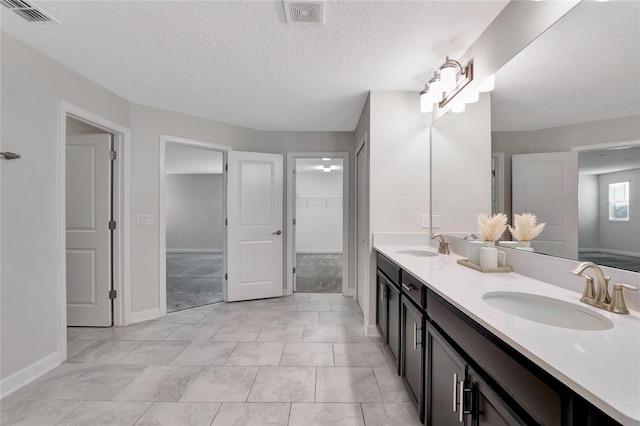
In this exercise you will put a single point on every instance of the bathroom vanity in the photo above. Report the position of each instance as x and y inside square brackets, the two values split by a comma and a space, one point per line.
[465, 361]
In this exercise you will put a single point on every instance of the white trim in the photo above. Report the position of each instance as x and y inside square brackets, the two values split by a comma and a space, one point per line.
[145, 315]
[162, 225]
[609, 251]
[499, 179]
[362, 144]
[194, 251]
[606, 145]
[12, 383]
[371, 330]
[290, 215]
[122, 261]
[319, 251]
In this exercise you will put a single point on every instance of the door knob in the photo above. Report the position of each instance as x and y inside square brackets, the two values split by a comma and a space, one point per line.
[278, 232]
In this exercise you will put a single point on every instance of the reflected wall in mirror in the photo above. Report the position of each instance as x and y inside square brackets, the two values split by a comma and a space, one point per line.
[572, 94]
[574, 90]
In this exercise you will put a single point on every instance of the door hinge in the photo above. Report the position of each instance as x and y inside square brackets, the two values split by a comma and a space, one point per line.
[493, 173]
[226, 277]
[226, 222]
[113, 294]
[112, 224]
[226, 167]
[294, 270]
[294, 222]
[113, 155]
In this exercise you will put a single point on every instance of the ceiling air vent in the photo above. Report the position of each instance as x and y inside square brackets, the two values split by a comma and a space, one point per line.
[28, 11]
[304, 12]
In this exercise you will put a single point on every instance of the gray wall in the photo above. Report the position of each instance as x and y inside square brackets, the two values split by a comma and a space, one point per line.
[32, 87]
[621, 236]
[588, 211]
[194, 211]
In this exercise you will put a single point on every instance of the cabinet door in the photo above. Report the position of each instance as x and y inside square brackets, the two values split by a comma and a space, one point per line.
[393, 321]
[412, 365]
[487, 408]
[445, 381]
[381, 306]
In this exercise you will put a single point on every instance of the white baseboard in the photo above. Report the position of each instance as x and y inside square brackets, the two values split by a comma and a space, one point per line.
[609, 251]
[12, 383]
[319, 251]
[371, 331]
[145, 315]
[194, 250]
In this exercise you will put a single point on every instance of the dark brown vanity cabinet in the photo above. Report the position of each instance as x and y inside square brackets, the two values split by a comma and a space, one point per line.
[412, 352]
[388, 307]
[456, 394]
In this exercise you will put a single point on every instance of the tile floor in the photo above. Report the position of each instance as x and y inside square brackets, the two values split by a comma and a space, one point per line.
[296, 360]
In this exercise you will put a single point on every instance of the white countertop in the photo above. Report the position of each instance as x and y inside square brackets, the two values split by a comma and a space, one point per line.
[601, 366]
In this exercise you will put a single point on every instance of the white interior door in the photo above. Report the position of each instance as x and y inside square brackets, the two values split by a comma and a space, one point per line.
[88, 211]
[255, 223]
[546, 185]
[362, 225]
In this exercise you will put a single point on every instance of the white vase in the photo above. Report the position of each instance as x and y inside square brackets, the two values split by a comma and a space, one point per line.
[525, 246]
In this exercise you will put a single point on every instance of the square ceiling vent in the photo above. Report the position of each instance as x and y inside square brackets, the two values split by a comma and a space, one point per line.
[28, 11]
[304, 12]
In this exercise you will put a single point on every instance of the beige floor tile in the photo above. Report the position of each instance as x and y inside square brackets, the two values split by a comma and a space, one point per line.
[326, 414]
[359, 355]
[237, 333]
[346, 384]
[106, 413]
[340, 318]
[159, 383]
[221, 384]
[317, 306]
[284, 384]
[391, 385]
[255, 355]
[252, 414]
[390, 414]
[205, 353]
[281, 333]
[35, 412]
[325, 333]
[307, 355]
[104, 352]
[179, 414]
[153, 353]
[194, 332]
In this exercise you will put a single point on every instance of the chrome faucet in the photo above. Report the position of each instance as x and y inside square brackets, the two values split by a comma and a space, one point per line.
[472, 236]
[600, 298]
[443, 246]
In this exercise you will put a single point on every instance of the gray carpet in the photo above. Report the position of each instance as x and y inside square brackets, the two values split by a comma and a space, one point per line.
[619, 261]
[319, 273]
[193, 279]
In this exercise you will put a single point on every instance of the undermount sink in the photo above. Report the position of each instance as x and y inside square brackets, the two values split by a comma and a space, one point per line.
[419, 253]
[547, 310]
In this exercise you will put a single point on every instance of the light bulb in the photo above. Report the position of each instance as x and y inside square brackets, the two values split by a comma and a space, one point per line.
[488, 84]
[472, 97]
[326, 169]
[326, 159]
[458, 107]
[448, 78]
[435, 87]
[426, 103]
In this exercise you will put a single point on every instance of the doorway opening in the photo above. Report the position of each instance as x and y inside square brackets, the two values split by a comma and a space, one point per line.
[319, 241]
[93, 221]
[193, 220]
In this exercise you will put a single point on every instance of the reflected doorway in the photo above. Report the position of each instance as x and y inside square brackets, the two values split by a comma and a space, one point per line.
[195, 231]
[319, 231]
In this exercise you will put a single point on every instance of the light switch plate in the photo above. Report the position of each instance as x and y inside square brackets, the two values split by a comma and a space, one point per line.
[424, 221]
[435, 221]
[144, 220]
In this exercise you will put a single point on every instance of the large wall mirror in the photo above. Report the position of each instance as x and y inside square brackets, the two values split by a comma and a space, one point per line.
[564, 139]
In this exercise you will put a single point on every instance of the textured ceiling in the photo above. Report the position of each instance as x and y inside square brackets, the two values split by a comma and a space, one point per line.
[586, 67]
[238, 62]
[609, 161]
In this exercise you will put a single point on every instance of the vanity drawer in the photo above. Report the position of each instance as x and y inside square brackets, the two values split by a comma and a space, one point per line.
[518, 378]
[414, 289]
[390, 269]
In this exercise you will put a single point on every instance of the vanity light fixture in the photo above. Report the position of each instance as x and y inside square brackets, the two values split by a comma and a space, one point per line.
[326, 159]
[445, 84]
[326, 169]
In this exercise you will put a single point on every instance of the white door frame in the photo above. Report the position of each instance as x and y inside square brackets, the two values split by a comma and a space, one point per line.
[290, 214]
[162, 220]
[121, 210]
[362, 144]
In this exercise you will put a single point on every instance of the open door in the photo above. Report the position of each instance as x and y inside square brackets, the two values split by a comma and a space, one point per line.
[255, 223]
[546, 185]
[88, 207]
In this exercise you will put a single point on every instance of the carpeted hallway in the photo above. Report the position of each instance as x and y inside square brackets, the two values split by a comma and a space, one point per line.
[319, 272]
[193, 279]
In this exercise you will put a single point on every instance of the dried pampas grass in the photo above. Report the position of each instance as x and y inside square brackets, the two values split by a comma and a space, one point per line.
[492, 228]
[526, 227]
